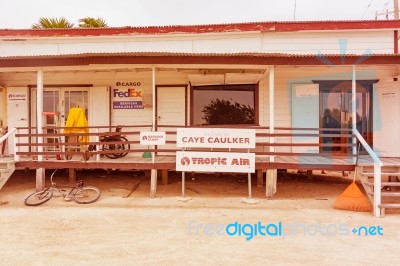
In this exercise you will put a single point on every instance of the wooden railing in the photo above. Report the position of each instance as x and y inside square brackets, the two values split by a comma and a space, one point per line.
[5, 137]
[285, 141]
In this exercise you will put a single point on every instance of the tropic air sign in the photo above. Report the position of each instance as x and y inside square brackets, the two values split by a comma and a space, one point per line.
[231, 162]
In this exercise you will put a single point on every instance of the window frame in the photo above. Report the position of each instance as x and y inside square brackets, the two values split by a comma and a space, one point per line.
[227, 87]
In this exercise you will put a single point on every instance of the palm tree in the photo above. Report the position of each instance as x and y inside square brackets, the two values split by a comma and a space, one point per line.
[52, 23]
[89, 22]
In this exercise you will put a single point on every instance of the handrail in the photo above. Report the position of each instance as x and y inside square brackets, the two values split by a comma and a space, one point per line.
[373, 155]
[5, 136]
[134, 138]
[377, 173]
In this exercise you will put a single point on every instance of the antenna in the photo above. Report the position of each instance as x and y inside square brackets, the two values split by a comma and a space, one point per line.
[394, 12]
[294, 11]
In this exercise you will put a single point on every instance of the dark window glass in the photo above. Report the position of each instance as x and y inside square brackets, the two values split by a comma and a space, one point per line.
[336, 112]
[224, 105]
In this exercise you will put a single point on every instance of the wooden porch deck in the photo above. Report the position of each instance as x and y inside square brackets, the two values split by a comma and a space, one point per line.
[168, 162]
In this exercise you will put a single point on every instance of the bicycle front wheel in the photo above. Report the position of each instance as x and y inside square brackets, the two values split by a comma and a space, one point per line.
[86, 195]
[38, 198]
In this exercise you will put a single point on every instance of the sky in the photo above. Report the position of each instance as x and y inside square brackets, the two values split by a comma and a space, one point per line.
[21, 14]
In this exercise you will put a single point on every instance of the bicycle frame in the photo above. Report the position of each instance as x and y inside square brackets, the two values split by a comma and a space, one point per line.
[79, 193]
[63, 192]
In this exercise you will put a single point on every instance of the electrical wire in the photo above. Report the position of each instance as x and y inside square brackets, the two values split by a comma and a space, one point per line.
[370, 2]
[294, 11]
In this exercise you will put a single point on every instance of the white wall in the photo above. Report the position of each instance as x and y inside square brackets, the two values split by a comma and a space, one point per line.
[387, 119]
[326, 42]
[344, 42]
[284, 78]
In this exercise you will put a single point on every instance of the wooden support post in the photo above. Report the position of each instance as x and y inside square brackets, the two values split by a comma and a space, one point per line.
[147, 173]
[310, 174]
[183, 185]
[249, 185]
[72, 175]
[40, 179]
[260, 177]
[164, 177]
[270, 183]
[153, 183]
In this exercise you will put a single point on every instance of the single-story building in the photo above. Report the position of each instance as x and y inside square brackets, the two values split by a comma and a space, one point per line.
[310, 91]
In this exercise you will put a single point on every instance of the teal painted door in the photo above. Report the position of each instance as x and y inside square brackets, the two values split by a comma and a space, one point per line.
[305, 114]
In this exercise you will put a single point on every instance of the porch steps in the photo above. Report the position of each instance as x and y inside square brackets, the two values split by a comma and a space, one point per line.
[390, 189]
[390, 205]
[7, 168]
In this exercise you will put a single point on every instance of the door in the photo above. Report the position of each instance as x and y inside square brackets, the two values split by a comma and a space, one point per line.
[60, 100]
[171, 111]
[171, 106]
[336, 112]
[387, 119]
[305, 103]
[17, 113]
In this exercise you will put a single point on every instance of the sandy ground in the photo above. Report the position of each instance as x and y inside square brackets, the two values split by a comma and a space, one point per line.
[164, 231]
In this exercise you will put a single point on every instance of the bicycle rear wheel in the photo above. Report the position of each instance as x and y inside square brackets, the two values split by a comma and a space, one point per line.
[38, 198]
[86, 195]
[111, 147]
[124, 146]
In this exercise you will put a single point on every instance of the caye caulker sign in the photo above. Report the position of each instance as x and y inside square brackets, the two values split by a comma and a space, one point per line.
[216, 138]
[231, 162]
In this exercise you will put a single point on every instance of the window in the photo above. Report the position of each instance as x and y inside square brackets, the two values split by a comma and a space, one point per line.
[336, 111]
[224, 105]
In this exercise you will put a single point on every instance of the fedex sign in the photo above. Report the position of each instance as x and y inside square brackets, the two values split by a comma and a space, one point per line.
[130, 93]
[128, 97]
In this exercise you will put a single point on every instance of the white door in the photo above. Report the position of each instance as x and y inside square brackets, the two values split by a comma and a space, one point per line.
[171, 106]
[387, 119]
[17, 114]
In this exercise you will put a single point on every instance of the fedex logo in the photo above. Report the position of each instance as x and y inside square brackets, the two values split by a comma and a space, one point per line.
[127, 94]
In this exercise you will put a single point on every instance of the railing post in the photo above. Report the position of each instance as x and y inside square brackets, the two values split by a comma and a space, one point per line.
[97, 139]
[39, 112]
[272, 112]
[377, 190]
[16, 148]
[354, 111]
[153, 177]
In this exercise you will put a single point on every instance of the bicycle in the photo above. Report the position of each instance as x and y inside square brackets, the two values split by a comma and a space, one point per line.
[119, 144]
[79, 193]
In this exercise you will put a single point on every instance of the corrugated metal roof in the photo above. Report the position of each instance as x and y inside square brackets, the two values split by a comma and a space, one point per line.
[273, 26]
[166, 54]
[199, 59]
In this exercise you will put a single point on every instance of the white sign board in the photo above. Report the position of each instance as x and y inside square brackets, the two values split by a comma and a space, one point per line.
[232, 162]
[307, 90]
[152, 138]
[216, 138]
